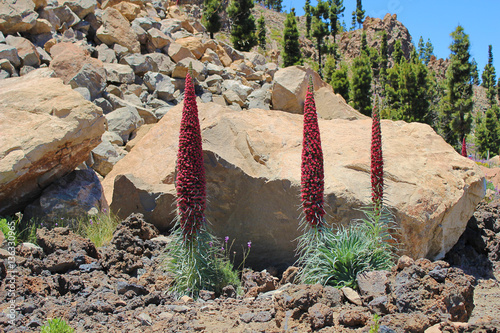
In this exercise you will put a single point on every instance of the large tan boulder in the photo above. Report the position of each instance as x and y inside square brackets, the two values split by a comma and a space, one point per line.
[333, 106]
[290, 87]
[252, 162]
[46, 130]
[116, 28]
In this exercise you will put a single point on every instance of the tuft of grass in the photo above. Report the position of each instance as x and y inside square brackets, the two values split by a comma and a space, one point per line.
[336, 257]
[56, 325]
[376, 325]
[98, 228]
[201, 263]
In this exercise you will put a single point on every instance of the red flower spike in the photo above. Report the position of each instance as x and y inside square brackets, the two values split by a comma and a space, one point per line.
[190, 182]
[464, 148]
[377, 162]
[312, 176]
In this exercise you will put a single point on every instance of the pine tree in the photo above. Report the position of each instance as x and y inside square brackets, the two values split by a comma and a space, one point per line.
[353, 21]
[291, 46]
[243, 24]
[361, 84]
[261, 28]
[429, 51]
[489, 78]
[211, 18]
[488, 132]
[407, 91]
[421, 48]
[397, 53]
[475, 73]
[456, 117]
[320, 28]
[336, 11]
[360, 13]
[383, 57]
[307, 10]
[340, 82]
[364, 43]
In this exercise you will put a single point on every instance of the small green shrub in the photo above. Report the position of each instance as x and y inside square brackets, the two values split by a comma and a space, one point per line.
[98, 228]
[9, 228]
[56, 325]
[376, 325]
[338, 257]
[202, 264]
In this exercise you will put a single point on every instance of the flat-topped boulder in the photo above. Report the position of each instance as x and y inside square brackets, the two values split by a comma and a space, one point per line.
[252, 162]
[46, 130]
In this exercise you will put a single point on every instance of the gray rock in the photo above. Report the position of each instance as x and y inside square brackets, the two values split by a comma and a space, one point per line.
[61, 17]
[72, 196]
[84, 92]
[118, 73]
[105, 156]
[181, 34]
[170, 26]
[237, 87]
[81, 7]
[17, 16]
[146, 23]
[122, 287]
[233, 98]
[213, 80]
[161, 111]
[91, 77]
[145, 319]
[10, 53]
[124, 121]
[25, 49]
[260, 98]
[104, 104]
[139, 63]
[45, 58]
[105, 54]
[7, 66]
[113, 138]
[142, 35]
[162, 62]
[372, 284]
[214, 69]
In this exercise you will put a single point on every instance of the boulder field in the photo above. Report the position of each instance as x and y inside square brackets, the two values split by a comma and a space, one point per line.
[252, 162]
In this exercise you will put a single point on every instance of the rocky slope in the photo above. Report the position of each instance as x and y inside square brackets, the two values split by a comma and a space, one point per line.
[121, 288]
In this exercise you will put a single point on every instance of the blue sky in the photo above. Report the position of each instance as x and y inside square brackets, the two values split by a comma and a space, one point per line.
[436, 19]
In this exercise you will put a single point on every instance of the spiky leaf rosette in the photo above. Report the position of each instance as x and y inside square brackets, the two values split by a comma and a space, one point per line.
[312, 176]
[377, 162]
[464, 148]
[190, 182]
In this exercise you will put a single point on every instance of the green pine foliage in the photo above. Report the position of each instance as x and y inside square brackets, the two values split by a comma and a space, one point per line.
[407, 91]
[336, 11]
[211, 16]
[489, 78]
[340, 81]
[261, 28]
[291, 47]
[243, 25]
[488, 132]
[421, 48]
[475, 73]
[360, 13]
[308, 14]
[397, 53]
[361, 78]
[456, 115]
[429, 51]
[320, 29]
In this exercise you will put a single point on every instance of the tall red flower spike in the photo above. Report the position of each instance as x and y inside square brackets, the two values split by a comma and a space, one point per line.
[312, 176]
[377, 162]
[464, 148]
[190, 182]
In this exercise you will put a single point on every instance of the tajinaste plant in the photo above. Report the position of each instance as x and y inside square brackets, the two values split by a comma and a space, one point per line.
[193, 257]
[377, 162]
[190, 182]
[464, 148]
[312, 172]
